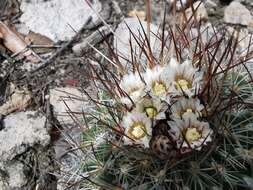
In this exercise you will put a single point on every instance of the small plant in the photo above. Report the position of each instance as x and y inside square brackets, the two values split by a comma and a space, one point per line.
[181, 119]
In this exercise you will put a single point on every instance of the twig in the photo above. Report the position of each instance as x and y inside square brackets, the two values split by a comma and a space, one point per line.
[96, 37]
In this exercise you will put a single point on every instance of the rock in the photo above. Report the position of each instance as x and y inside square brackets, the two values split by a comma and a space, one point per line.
[180, 4]
[245, 2]
[212, 8]
[61, 145]
[17, 177]
[24, 152]
[53, 17]
[236, 13]
[22, 131]
[244, 39]
[72, 160]
[200, 11]
[25, 174]
[122, 38]
[243, 48]
[249, 65]
[12, 176]
[71, 133]
[63, 101]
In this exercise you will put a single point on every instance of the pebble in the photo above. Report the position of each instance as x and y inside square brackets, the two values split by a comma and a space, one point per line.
[53, 18]
[64, 100]
[236, 13]
[201, 13]
[22, 132]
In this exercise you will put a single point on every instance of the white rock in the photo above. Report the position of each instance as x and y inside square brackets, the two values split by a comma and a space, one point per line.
[200, 11]
[249, 65]
[122, 38]
[53, 17]
[236, 13]
[21, 131]
[244, 39]
[16, 175]
[179, 3]
[63, 101]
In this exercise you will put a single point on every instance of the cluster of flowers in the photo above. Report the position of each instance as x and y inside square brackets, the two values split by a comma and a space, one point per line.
[151, 94]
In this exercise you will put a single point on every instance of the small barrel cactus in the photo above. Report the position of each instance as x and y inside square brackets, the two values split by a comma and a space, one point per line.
[179, 118]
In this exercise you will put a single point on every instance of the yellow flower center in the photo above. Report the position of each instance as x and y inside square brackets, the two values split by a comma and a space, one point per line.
[151, 112]
[192, 135]
[159, 88]
[189, 110]
[182, 84]
[137, 130]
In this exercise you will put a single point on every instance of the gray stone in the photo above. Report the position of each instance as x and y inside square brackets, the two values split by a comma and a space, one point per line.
[16, 175]
[200, 11]
[71, 161]
[65, 100]
[53, 17]
[249, 65]
[244, 39]
[24, 140]
[21, 131]
[179, 3]
[236, 13]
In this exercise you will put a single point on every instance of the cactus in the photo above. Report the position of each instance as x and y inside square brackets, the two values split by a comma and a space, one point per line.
[182, 119]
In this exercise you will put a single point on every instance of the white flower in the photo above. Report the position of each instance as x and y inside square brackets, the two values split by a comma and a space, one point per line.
[186, 78]
[190, 133]
[186, 107]
[137, 129]
[158, 82]
[154, 108]
[133, 86]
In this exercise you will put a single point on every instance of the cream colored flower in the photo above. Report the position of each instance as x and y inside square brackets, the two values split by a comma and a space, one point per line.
[190, 134]
[154, 108]
[137, 129]
[186, 79]
[134, 87]
[158, 82]
[186, 107]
